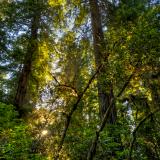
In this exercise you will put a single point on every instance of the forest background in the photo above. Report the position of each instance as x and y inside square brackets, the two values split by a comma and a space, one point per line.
[80, 79]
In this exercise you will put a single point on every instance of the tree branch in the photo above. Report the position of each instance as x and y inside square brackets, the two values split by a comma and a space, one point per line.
[92, 150]
[69, 116]
[65, 86]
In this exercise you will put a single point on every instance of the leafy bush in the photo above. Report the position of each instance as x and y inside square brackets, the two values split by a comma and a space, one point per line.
[8, 116]
[15, 141]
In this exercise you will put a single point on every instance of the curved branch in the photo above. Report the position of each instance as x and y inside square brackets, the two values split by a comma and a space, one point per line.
[65, 86]
[92, 150]
[69, 116]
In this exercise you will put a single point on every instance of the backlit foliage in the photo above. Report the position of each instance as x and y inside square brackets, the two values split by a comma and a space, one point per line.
[63, 79]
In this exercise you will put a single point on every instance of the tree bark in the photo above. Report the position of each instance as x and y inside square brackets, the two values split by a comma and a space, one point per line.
[105, 89]
[27, 66]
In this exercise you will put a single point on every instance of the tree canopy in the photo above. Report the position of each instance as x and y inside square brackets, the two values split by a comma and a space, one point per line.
[80, 80]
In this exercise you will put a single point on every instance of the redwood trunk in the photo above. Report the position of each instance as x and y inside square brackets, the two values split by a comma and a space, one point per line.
[105, 90]
[24, 76]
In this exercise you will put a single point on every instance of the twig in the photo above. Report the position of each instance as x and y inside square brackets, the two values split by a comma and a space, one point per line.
[64, 85]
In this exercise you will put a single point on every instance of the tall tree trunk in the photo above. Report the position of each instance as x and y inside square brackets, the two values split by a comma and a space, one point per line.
[105, 90]
[24, 76]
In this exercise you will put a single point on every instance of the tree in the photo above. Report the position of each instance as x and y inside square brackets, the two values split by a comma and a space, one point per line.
[59, 54]
[105, 89]
[26, 70]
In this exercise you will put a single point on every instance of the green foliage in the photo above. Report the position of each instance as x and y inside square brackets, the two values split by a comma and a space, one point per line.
[15, 140]
[61, 68]
[16, 144]
[8, 116]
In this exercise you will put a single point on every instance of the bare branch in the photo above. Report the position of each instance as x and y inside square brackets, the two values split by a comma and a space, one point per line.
[73, 110]
[92, 150]
[65, 85]
[56, 80]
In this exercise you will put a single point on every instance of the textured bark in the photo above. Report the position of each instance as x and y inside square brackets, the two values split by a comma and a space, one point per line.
[24, 76]
[106, 98]
[105, 90]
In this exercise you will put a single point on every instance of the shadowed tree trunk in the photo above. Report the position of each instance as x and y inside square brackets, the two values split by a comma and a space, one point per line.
[105, 89]
[104, 84]
[27, 66]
